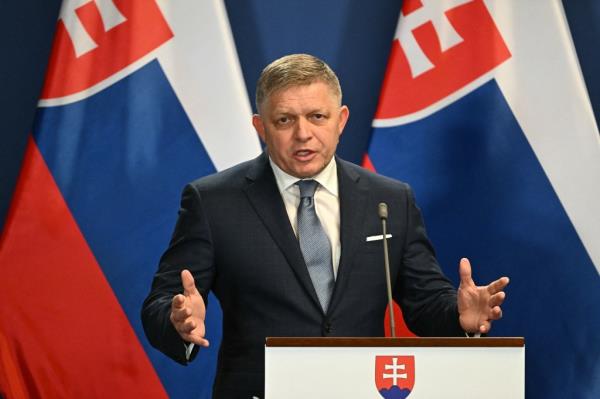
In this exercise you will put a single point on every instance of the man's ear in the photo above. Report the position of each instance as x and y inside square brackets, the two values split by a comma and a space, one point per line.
[344, 115]
[259, 126]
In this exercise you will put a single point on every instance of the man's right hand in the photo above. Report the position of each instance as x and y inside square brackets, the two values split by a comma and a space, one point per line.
[188, 312]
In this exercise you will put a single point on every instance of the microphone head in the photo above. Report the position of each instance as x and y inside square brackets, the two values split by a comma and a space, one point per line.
[383, 210]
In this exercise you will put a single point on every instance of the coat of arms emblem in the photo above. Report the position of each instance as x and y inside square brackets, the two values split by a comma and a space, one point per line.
[395, 376]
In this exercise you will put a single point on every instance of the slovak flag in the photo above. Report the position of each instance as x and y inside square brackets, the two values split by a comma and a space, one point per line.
[140, 98]
[485, 113]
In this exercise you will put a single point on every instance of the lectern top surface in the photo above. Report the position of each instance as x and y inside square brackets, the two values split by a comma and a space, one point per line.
[389, 342]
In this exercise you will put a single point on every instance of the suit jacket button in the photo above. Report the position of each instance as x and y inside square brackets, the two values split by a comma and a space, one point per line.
[327, 328]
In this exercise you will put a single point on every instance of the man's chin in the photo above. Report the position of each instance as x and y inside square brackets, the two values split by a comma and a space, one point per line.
[303, 170]
[308, 171]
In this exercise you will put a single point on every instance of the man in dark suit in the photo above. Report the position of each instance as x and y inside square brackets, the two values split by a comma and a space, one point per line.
[288, 242]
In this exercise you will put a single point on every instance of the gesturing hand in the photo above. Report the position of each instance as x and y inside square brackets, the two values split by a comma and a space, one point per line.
[188, 312]
[478, 306]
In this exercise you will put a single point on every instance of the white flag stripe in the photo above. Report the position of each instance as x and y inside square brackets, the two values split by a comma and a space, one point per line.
[203, 68]
[545, 89]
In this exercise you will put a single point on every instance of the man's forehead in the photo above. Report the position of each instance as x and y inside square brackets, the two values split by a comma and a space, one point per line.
[305, 83]
[287, 97]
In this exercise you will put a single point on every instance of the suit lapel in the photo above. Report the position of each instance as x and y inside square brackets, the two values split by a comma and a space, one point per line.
[266, 200]
[353, 198]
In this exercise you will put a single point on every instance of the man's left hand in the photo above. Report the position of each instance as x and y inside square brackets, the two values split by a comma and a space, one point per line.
[478, 306]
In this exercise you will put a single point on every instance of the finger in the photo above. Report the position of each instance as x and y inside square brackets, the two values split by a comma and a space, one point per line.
[485, 327]
[496, 313]
[178, 302]
[180, 315]
[183, 324]
[195, 339]
[498, 285]
[186, 326]
[187, 280]
[497, 299]
[464, 270]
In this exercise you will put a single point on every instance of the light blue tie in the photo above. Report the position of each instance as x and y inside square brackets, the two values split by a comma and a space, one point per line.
[314, 243]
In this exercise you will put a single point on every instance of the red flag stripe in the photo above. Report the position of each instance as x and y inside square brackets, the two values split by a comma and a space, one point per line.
[63, 331]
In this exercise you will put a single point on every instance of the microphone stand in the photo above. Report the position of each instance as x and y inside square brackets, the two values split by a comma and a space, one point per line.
[383, 214]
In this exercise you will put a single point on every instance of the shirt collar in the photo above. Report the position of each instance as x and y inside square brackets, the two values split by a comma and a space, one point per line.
[327, 178]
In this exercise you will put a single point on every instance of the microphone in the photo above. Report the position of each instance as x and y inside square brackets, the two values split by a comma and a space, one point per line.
[383, 215]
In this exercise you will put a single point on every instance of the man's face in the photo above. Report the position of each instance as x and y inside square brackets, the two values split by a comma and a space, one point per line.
[301, 126]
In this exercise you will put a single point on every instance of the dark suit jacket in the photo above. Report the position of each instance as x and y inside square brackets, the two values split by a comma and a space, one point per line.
[234, 235]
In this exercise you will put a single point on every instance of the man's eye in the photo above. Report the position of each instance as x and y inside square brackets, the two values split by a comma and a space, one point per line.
[318, 117]
[283, 120]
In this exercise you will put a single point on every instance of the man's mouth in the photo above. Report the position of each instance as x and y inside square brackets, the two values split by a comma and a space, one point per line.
[304, 155]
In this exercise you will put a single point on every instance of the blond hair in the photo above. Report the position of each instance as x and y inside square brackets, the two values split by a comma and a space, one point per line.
[295, 70]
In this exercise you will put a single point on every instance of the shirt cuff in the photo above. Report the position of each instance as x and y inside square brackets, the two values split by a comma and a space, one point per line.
[188, 351]
[475, 335]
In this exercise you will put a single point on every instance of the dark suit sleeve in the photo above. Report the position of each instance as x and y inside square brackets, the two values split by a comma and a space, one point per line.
[190, 248]
[426, 296]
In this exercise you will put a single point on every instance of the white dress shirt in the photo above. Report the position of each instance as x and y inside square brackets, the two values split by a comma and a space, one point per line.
[327, 203]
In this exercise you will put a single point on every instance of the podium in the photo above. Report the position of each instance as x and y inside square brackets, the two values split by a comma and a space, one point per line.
[394, 368]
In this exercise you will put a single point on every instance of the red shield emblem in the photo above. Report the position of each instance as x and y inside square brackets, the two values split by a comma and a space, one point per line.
[440, 47]
[395, 376]
[94, 40]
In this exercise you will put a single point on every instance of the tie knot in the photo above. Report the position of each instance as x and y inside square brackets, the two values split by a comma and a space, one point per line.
[307, 188]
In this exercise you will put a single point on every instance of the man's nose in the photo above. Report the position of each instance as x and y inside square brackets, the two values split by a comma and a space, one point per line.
[303, 129]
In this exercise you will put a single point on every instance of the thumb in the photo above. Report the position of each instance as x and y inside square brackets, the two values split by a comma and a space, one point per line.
[187, 280]
[464, 271]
